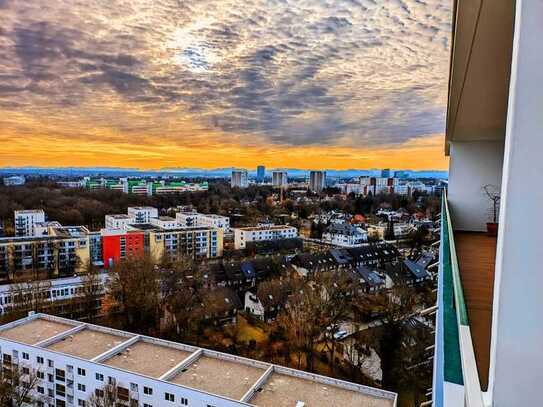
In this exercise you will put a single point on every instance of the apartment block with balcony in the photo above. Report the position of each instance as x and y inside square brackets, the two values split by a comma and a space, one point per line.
[142, 214]
[196, 242]
[489, 325]
[25, 221]
[78, 360]
[30, 257]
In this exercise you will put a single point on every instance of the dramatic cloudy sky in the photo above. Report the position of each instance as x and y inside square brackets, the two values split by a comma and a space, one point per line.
[212, 83]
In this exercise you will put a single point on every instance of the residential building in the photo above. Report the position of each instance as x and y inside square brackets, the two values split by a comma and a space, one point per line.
[195, 242]
[279, 178]
[164, 222]
[317, 180]
[371, 280]
[489, 325]
[187, 219]
[53, 293]
[260, 173]
[345, 235]
[142, 214]
[62, 253]
[239, 179]
[25, 220]
[15, 180]
[119, 221]
[78, 360]
[191, 219]
[118, 244]
[244, 235]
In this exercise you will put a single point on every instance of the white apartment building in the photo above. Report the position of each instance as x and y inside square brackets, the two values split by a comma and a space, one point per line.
[77, 360]
[195, 219]
[142, 214]
[279, 178]
[26, 220]
[260, 233]
[119, 222]
[345, 235]
[187, 219]
[239, 179]
[164, 222]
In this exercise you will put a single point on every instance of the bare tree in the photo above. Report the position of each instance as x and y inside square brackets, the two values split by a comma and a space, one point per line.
[18, 385]
[92, 291]
[134, 294]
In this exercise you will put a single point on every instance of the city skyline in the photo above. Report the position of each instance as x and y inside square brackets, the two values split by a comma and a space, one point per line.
[212, 84]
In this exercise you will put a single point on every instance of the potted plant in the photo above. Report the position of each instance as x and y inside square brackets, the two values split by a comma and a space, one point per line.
[493, 194]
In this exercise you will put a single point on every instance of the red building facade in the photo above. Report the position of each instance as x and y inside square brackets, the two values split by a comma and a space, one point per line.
[120, 245]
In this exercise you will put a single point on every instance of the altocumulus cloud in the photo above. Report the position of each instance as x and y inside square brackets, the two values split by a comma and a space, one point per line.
[304, 72]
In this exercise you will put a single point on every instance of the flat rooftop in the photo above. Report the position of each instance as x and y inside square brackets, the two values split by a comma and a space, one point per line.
[87, 343]
[282, 390]
[212, 372]
[148, 358]
[219, 376]
[35, 331]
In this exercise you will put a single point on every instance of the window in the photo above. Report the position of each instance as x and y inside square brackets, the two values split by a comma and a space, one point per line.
[81, 371]
[60, 375]
[133, 387]
[169, 397]
[100, 377]
[41, 390]
[39, 359]
[99, 393]
[81, 403]
[184, 401]
[50, 363]
[50, 378]
[26, 356]
[147, 405]
[147, 390]
[61, 390]
[40, 374]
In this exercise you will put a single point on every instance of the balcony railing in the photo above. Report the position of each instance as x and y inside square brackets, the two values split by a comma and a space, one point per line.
[455, 362]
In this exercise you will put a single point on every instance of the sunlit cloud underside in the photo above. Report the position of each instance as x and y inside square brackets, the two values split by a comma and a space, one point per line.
[213, 83]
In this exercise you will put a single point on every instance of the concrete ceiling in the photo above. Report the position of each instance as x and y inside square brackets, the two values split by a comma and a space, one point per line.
[480, 70]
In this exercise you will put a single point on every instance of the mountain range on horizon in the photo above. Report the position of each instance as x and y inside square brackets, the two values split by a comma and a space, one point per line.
[204, 173]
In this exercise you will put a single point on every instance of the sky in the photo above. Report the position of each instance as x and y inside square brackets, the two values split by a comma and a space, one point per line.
[219, 83]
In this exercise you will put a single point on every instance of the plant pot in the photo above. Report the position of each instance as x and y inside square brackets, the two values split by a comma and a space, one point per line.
[492, 229]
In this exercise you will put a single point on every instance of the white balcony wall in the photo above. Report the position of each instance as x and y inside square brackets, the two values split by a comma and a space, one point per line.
[473, 164]
[516, 365]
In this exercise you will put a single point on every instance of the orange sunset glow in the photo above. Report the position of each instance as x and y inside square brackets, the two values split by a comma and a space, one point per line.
[220, 83]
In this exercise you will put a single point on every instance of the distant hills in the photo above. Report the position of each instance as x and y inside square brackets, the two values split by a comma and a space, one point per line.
[197, 172]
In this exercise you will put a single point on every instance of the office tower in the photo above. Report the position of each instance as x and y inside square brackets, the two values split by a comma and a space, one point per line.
[279, 179]
[239, 179]
[489, 321]
[260, 173]
[317, 181]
